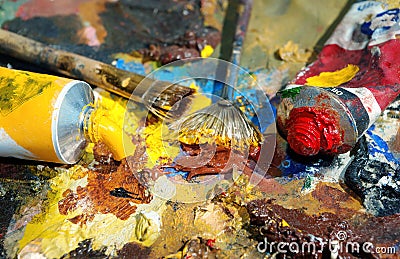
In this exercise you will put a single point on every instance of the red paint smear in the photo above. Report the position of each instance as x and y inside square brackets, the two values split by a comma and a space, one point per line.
[311, 130]
[47, 8]
[380, 73]
[389, 62]
[210, 243]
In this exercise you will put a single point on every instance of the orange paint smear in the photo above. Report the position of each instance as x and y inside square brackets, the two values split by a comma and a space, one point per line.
[97, 196]
[89, 11]
[47, 8]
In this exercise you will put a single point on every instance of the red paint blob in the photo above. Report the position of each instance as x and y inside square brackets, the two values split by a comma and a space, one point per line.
[311, 130]
[210, 243]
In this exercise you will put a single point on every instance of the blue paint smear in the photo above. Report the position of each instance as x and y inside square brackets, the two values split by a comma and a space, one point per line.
[172, 172]
[135, 67]
[295, 170]
[291, 168]
[393, 14]
[379, 146]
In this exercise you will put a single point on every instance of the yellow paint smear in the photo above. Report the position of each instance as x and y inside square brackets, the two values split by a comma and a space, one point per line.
[45, 227]
[291, 52]
[207, 51]
[118, 111]
[57, 235]
[111, 109]
[332, 79]
[284, 223]
[160, 146]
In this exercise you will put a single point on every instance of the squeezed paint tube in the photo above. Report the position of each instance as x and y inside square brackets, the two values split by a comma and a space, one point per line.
[334, 100]
[50, 118]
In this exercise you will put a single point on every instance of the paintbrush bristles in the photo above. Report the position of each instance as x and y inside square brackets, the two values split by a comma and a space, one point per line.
[221, 123]
[168, 102]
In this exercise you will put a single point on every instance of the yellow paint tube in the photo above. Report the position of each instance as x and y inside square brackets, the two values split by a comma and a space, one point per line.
[50, 118]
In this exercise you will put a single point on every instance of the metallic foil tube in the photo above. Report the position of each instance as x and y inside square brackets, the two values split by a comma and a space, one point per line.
[41, 116]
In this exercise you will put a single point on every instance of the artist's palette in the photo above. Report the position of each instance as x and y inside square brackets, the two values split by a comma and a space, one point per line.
[144, 208]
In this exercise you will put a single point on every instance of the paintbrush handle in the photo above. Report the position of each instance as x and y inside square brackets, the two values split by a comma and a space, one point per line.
[243, 10]
[244, 13]
[76, 66]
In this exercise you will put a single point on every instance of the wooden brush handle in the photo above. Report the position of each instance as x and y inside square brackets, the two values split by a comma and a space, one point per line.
[76, 66]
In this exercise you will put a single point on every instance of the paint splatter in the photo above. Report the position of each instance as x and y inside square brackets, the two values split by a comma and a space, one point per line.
[8, 9]
[291, 52]
[88, 36]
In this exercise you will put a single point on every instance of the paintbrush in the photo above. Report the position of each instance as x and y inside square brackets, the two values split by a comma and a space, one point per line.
[223, 121]
[164, 99]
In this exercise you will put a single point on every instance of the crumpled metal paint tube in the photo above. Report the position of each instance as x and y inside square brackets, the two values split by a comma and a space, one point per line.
[334, 100]
[50, 118]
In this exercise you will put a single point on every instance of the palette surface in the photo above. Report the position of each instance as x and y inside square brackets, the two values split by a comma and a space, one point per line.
[146, 207]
